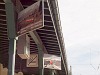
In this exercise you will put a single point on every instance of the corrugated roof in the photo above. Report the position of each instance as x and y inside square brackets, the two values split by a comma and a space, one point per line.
[47, 34]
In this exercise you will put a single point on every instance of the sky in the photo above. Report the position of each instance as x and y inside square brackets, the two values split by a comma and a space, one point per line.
[80, 20]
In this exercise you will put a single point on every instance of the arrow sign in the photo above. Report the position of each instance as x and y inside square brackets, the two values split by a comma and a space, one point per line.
[32, 61]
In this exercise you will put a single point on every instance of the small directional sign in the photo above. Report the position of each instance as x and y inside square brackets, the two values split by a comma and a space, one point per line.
[32, 61]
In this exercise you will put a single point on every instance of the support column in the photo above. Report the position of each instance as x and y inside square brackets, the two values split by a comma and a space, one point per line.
[12, 52]
[41, 50]
[40, 62]
[41, 71]
[11, 28]
[52, 72]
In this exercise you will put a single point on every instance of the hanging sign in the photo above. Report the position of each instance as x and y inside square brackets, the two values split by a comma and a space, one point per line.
[23, 46]
[52, 62]
[32, 61]
[30, 18]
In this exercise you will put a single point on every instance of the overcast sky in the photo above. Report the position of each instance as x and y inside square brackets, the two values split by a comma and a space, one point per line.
[80, 21]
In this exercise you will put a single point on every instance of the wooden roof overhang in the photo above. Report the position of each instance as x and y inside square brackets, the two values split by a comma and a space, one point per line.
[50, 36]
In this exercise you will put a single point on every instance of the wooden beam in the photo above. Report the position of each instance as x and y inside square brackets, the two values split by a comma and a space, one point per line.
[37, 39]
[2, 3]
[2, 10]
